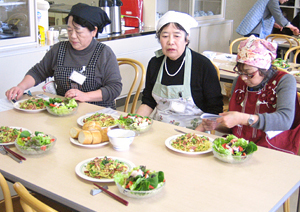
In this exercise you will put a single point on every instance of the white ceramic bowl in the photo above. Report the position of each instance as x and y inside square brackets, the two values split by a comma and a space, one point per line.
[120, 138]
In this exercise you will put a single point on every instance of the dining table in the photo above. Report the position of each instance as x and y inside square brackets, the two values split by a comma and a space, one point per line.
[194, 182]
[226, 62]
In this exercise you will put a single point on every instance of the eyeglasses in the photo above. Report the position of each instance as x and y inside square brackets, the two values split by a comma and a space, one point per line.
[249, 76]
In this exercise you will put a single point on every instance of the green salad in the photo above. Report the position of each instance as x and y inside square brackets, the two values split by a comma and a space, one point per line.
[57, 106]
[140, 179]
[233, 146]
[280, 63]
[134, 122]
[36, 141]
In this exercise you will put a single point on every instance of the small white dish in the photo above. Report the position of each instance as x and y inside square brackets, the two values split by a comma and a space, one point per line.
[120, 138]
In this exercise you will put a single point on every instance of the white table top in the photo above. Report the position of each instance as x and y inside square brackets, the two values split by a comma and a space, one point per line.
[193, 183]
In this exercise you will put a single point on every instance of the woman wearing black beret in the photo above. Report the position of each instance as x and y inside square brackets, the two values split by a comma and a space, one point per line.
[82, 67]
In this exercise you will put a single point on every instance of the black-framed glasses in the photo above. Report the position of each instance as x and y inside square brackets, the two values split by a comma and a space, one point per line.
[249, 76]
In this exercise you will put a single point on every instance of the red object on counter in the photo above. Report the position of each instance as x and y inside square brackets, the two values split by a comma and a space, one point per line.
[132, 8]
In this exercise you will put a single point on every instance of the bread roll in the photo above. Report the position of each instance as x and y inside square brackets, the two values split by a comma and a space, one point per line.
[104, 134]
[74, 132]
[92, 125]
[97, 138]
[85, 137]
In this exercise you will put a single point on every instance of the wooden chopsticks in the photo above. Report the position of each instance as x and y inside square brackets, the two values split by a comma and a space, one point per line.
[113, 195]
[14, 153]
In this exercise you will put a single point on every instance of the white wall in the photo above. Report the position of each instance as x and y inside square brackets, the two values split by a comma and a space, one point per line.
[236, 11]
[14, 66]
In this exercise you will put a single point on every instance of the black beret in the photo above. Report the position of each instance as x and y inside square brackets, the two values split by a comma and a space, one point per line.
[94, 15]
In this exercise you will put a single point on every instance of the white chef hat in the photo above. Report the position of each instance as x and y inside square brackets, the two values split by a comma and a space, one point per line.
[185, 20]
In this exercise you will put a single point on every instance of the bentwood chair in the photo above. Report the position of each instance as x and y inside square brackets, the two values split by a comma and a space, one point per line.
[288, 53]
[9, 203]
[290, 39]
[136, 66]
[235, 41]
[29, 202]
[217, 69]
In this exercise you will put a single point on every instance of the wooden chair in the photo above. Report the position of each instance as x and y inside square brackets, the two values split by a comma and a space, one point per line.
[135, 64]
[287, 54]
[235, 41]
[290, 39]
[29, 202]
[217, 69]
[7, 202]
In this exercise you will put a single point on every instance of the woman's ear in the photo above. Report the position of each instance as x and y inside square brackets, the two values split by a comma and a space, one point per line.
[94, 32]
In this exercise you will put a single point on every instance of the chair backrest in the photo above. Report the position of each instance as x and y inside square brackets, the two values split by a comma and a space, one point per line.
[217, 69]
[135, 64]
[6, 194]
[30, 203]
[290, 39]
[235, 41]
[297, 49]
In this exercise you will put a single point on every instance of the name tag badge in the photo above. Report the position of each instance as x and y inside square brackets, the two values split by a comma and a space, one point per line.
[178, 107]
[77, 77]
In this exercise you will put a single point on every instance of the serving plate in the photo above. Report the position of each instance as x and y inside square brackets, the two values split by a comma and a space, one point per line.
[81, 118]
[75, 141]
[80, 168]
[13, 142]
[170, 140]
[17, 106]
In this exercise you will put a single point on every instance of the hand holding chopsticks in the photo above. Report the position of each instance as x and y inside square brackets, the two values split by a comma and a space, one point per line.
[113, 195]
[14, 153]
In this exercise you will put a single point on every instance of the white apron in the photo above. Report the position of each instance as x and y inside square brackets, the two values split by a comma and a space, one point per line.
[175, 104]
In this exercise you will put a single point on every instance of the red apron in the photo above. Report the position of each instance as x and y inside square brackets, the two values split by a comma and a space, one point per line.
[264, 101]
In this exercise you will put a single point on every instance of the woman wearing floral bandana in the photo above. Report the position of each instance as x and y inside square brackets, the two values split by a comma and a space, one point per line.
[264, 107]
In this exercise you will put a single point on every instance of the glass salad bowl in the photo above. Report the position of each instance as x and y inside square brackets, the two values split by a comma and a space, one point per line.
[140, 194]
[33, 148]
[231, 158]
[62, 112]
[134, 122]
[61, 107]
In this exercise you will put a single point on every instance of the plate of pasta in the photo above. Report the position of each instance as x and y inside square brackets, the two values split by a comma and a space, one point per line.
[190, 143]
[31, 105]
[105, 120]
[103, 168]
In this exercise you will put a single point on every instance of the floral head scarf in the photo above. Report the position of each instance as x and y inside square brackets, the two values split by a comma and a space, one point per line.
[256, 52]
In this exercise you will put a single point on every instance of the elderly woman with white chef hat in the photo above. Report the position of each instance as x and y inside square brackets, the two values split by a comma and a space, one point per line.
[181, 84]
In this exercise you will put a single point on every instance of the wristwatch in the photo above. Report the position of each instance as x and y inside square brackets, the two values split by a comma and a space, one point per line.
[251, 120]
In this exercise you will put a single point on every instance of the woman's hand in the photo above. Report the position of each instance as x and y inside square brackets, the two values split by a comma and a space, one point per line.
[233, 118]
[14, 93]
[76, 94]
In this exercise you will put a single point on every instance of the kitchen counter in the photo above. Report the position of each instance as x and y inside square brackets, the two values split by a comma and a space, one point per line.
[127, 32]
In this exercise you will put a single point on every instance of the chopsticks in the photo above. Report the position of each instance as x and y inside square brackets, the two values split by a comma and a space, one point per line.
[113, 195]
[14, 153]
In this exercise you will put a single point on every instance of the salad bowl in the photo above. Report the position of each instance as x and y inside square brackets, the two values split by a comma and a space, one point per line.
[134, 122]
[59, 107]
[39, 143]
[231, 158]
[233, 150]
[140, 194]
[140, 182]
